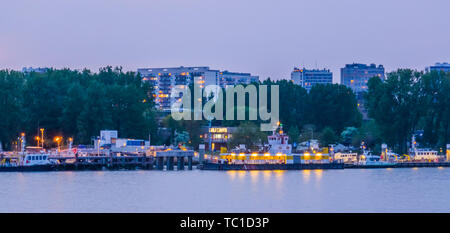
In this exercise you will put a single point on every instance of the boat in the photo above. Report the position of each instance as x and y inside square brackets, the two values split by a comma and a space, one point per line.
[423, 154]
[368, 160]
[276, 155]
[32, 159]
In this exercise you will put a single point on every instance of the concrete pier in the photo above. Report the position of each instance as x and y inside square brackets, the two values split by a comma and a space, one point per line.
[190, 163]
[180, 163]
[160, 163]
[170, 156]
[169, 165]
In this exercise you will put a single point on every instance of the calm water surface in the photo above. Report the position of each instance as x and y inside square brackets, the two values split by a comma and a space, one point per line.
[383, 190]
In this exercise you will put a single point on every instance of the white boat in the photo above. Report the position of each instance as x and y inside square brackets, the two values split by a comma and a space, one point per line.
[35, 160]
[368, 159]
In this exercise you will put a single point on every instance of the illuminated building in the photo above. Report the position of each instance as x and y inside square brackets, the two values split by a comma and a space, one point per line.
[356, 76]
[308, 78]
[219, 136]
[164, 79]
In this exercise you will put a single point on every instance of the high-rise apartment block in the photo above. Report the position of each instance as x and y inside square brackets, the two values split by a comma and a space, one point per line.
[356, 76]
[308, 78]
[164, 79]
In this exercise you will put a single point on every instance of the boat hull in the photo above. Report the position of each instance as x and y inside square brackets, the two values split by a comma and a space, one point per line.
[228, 167]
[34, 168]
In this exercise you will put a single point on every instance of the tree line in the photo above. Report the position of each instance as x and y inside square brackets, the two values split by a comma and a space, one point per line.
[79, 104]
[75, 104]
[409, 101]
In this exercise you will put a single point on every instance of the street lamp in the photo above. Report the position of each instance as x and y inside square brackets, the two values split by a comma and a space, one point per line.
[58, 140]
[37, 138]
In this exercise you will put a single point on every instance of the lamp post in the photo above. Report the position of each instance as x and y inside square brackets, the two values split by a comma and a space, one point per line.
[42, 136]
[37, 138]
[22, 142]
[58, 140]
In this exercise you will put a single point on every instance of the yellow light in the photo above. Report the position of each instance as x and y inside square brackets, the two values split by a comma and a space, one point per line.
[267, 154]
[218, 130]
[254, 154]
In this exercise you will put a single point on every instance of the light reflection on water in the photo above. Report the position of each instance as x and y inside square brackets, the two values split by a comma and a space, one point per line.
[377, 190]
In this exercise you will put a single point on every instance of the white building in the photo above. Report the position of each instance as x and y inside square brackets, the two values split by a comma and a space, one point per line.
[110, 139]
[310, 77]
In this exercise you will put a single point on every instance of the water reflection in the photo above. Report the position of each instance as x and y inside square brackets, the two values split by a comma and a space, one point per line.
[318, 174]
[231, 174]
[306, 175]
[258, 191]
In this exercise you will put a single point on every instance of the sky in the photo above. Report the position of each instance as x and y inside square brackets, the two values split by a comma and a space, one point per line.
[264, 37]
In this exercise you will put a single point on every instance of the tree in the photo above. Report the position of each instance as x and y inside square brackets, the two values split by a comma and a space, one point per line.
[348, 134]
[334, 106]
[249, 134]
[72, 108]
[395, 106]
[294, 134]
[94, 116]
[307, 133]
[181, 138]
[328, 136]
[173, 125]
[11, 111]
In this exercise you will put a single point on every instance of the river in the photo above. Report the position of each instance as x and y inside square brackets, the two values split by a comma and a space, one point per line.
[377, 190]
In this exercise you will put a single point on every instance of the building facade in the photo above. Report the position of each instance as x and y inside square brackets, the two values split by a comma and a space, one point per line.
[308, 78]
[356, 76]
[220, 136]
[445, 67]
[164, 79]
[227, 78]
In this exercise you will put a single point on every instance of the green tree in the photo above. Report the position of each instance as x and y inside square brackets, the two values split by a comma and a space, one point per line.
[249, 134]
[348, 134]
[395, 106]
[334, 106]
[11, 111]
[293, 133]
[328, 137]
[94, 116]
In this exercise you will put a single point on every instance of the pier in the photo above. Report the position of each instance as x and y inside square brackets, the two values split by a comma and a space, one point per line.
[169, 157]
[111, 162]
